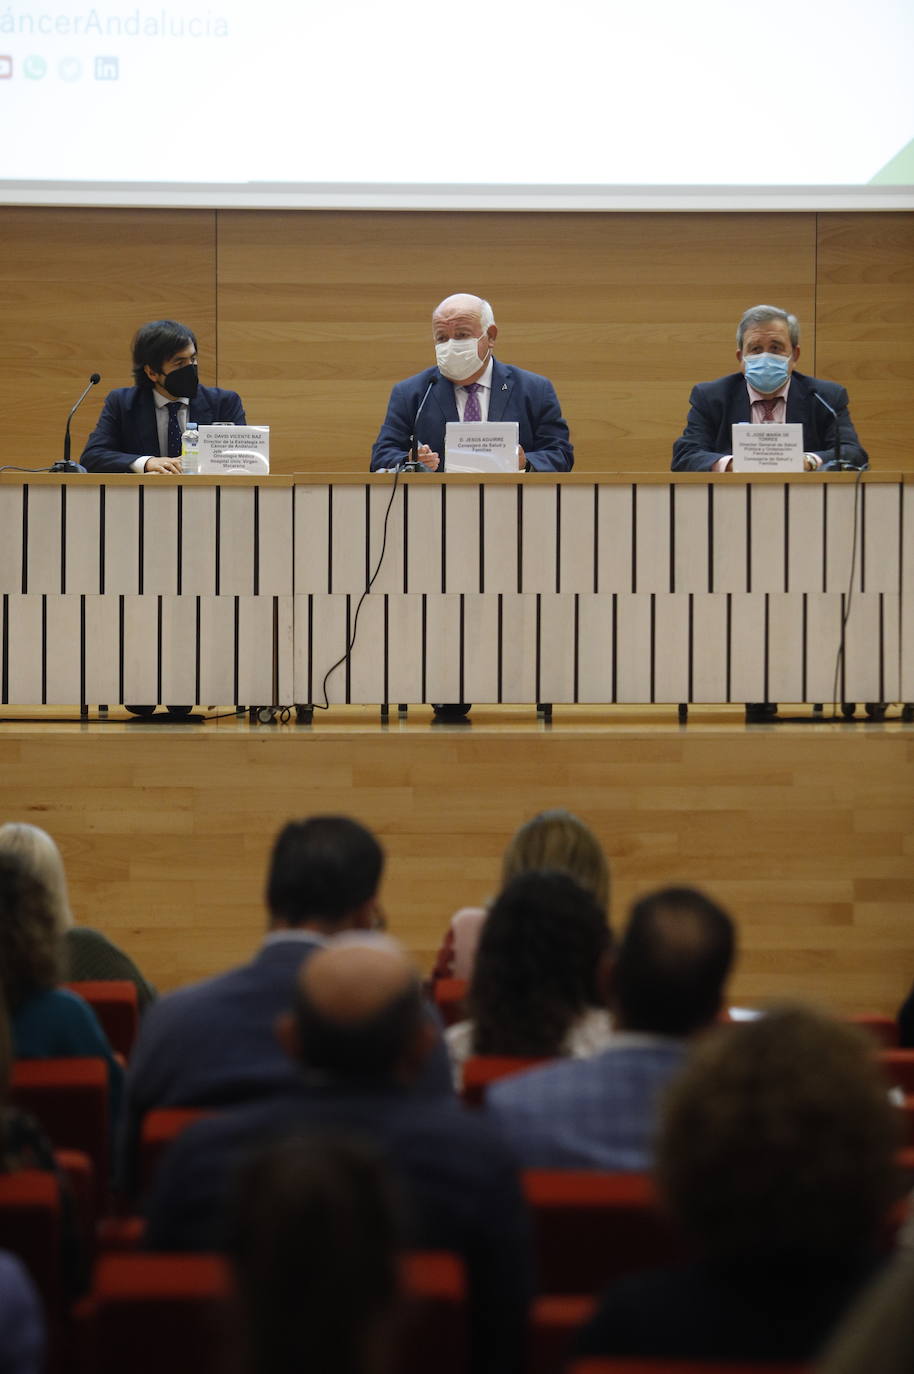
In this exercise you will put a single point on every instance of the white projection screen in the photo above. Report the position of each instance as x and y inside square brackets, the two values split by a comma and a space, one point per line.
[512, 104]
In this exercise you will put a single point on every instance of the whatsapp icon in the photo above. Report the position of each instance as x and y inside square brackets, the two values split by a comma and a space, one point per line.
[35, 67]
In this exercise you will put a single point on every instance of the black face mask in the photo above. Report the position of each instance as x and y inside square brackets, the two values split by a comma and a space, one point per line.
[184, 381]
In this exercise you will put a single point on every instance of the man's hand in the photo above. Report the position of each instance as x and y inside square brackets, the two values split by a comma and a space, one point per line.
[811, 462]
[521, 459]
[427, 458]
[169, 465]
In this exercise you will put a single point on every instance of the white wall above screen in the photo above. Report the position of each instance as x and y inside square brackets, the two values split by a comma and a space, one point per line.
[528, 104]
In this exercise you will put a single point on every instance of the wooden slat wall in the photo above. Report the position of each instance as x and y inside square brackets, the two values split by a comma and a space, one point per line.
[313, 315]
[804, 833]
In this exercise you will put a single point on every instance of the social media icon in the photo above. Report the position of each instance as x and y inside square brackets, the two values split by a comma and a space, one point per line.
[35, 67]
[70, 68]
[6, 68]
[106, 69]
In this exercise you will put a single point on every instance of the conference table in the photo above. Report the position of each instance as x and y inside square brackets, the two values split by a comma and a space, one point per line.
[517, 588]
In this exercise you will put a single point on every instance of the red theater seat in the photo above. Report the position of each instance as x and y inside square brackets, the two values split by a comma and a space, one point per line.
[482, 1069]
[114, 1002]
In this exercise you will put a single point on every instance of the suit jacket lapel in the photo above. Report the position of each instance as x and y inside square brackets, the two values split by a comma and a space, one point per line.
[797, 400]
[502, 385]
[443, 396]
[145, 419]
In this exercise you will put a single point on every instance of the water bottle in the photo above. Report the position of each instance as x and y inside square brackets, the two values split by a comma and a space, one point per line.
[190, 448]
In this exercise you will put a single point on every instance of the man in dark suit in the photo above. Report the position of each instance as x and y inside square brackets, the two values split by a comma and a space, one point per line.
[767, 388]
[359, 1037]
[213, 1043]
[468, 383]
[140, 427]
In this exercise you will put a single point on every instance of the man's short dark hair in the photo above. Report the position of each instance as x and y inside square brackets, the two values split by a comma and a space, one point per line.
[322, 869]
[673, 961]
[367, 1050]
[154, 343]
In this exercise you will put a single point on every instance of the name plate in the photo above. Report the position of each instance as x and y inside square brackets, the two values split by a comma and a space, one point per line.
[481, 446]
[768, 448]
[225, 449]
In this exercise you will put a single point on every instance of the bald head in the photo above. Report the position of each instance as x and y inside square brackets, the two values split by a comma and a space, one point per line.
[464, 305]
[359, 1012]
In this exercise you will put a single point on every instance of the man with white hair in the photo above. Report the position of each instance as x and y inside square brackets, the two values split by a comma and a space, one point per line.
[767, 389]
[468, 383]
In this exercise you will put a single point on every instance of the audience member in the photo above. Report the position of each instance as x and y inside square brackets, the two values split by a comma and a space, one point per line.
[776, 1160]
[538, 985]
[555, 840]
[360, 1035]
[47, 1021]
[667, 984]
[87, 954]
[314, 1236]
[213, 1043]
[877, 1335]
[906, 1022]
[22, 1333]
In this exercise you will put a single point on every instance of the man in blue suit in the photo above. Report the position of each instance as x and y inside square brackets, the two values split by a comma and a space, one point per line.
[140, 427]
[767, 388]
[468, 383]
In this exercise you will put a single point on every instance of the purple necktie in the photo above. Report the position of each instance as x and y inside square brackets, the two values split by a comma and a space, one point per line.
[768, 408]
[174, 430]
[472, 411]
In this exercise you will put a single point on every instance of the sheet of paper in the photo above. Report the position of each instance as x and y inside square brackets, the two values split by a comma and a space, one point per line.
[768, 448]
[481, 446]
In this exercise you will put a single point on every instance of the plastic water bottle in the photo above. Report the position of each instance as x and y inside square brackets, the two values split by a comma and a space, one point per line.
[190, 448]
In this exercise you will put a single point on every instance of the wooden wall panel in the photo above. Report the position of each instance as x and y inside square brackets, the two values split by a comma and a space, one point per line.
[313, 315]
[803, 832]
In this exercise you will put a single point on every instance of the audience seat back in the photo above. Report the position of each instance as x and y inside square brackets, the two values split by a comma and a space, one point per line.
[70, 1099]
[482, 1069]
[115, 1003]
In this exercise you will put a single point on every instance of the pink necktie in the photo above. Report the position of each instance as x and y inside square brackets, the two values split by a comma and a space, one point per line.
[768, 411]
[472, 411]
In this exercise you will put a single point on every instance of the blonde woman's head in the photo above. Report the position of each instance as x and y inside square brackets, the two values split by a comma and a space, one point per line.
[41, 859]
[558, 841]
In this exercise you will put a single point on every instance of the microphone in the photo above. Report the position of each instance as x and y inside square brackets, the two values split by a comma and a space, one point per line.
[65, 465]
[836, 464]
[411, 463]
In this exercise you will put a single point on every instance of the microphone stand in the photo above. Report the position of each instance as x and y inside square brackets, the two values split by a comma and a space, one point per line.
[64, 464]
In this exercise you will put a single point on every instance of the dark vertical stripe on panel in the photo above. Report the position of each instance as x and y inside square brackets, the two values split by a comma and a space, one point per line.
[596, 538]
[729, 643]
[501, 643]
[672, 491]
[82, 650]
[386, 648]
[330, 539]
[179, 552]
[101, 540]
[539, 637]
[424, 647]
[461, 696]
[217, 546]
[615, 648]
[843, 696]
[558, 538]
[443, 490]
[348, 654]
[691, 669]
[140, 552]
[749, 539]
[198, 636]
[236, 672]
[805, 646]
[710, 536]
[577, 646]
[634, 538]
[63, 539]
[482, 537]
[786, 536]
[256, 589]
[405, 490]
[767, 650]
[5, 651]
[653, 643]
[861, 492]
[159, 617]
[120, 648]
[275, 701]
[882, 696]
[520, 538]
[825, 536]
[310, 699]
[25, 539]
[44, 649]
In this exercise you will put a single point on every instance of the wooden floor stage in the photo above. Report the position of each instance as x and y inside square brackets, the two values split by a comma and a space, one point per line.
[803, 830]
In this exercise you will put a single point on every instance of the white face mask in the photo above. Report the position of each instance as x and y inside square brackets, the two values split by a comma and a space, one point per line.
[458, 358]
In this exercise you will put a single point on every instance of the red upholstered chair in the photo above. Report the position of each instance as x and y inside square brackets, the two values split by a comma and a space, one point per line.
[70, 1099]
[114, 1002]
[553, 1322]
[159, 1129]
[591, 1227]
[450, 996]
[482, 1069]
[30, 1226]
[883, 1029]
[629, 1365]
[899, 1068]
[434, 1334]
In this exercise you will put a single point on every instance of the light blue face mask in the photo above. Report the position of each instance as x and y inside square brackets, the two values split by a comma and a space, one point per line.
[766, 371]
